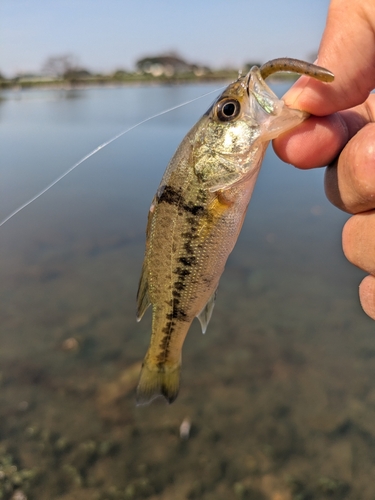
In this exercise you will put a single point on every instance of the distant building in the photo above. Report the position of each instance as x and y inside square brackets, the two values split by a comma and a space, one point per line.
[168, 65]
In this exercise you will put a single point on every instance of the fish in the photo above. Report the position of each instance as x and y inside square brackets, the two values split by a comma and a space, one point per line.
[197, 213]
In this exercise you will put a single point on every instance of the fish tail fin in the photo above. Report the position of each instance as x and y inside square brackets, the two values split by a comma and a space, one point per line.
[157, 381]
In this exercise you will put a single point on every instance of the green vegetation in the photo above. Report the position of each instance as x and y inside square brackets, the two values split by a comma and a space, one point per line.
[64, 71]
[119, 77]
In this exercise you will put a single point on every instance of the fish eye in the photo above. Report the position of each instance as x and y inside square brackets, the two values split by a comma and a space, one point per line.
[228, 109]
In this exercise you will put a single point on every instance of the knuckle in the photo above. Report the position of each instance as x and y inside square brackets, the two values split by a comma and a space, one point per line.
[367, 295]
[349, 240]
[358, 241]
[363, 164]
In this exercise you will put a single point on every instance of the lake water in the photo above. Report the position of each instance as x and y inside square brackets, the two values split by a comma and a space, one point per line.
[280, 392]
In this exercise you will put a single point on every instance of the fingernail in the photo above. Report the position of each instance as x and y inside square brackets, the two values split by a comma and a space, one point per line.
[292, 96]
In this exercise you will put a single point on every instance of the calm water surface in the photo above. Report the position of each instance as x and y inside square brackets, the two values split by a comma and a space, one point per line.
[280, 392]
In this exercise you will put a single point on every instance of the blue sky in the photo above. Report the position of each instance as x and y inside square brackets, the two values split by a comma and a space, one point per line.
[112, 34]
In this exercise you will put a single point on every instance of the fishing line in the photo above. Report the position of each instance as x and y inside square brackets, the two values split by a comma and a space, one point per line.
[96, 150]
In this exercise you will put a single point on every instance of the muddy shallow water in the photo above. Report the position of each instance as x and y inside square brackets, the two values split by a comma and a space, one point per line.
[279, 394]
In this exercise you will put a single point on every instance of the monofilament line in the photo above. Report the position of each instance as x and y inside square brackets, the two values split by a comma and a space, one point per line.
[53, 183]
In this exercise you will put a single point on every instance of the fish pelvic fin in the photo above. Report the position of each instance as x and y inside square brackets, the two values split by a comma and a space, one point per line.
[156, 381]
[205, 315]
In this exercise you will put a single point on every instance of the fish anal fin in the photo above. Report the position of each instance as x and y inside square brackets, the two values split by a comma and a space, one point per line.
[143, 301]
[157, 381]
[205, 315]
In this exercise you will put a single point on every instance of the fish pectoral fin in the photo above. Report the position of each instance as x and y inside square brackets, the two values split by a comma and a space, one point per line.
[157, 381]
[205, 315]
[143, 301]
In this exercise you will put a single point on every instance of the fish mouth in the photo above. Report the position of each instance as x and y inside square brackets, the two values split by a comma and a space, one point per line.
[248, 77]
[257, 88]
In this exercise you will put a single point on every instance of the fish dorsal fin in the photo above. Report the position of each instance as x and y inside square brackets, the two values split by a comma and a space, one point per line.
[143, 300]
[205, 315]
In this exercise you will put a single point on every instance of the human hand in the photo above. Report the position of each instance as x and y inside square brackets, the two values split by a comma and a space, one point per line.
[342, 131]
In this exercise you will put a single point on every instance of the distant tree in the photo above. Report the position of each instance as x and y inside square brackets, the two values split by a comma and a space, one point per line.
[120, 74]
[247, 67]
[60, 65]
[76, 74]
[65, 66]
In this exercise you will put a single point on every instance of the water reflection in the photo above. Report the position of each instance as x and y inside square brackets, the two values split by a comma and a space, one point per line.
[44, 94]
[280, 392]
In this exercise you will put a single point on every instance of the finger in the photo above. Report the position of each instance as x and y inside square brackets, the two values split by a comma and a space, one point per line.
[314, 143]
[318, 140]
[350, 182]
[367, 295]
[348, 50]
[358, 241]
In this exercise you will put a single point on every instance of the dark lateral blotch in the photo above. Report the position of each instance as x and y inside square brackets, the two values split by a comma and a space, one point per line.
[181, 272]
[194, 209]
[187, 261]
[179, 285]
[170, 195]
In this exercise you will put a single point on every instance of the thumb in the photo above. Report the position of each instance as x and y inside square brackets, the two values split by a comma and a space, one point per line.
[348, 50]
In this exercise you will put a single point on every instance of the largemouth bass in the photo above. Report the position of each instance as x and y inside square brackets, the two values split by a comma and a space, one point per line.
[198, 211]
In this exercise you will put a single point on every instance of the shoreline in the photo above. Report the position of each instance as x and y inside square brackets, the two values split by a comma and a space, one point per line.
[9, 85]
